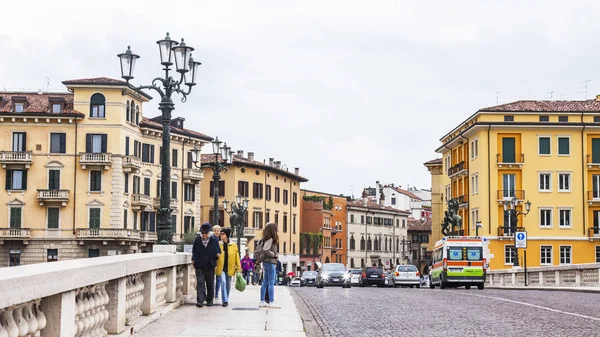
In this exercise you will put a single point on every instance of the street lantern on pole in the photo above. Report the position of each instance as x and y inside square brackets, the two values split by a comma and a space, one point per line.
[511, 206]
[477, 226]
[222, 157]
[170, 51]
[239, 210]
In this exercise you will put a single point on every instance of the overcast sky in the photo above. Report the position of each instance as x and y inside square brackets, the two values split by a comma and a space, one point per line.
[349, 91]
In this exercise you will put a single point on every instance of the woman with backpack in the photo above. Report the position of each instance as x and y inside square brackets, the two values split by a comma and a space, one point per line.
[267, 254]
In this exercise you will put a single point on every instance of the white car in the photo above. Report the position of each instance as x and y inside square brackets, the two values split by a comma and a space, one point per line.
[407, 276]
[355, 275]
[295, 282]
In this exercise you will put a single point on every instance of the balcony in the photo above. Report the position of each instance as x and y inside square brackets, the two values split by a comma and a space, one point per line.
[593, 197]
[505, 195]
[593, 161]
[594, 232]
[61, 196]
[463, 201]
[140, 201]
[192, 175]
[148, 236]
[509, 231]
[334, 249]
[510, 160]
[107, 234]
[16, 158]
[249, 232]
[457, 170]
[156, 203]
[132, 164]
[14, 234]
[95, 159]
[334, 231]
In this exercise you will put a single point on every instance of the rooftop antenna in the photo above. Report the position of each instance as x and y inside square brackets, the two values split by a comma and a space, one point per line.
[47, 83]
[498, 97]
[586, 88]
[551, 94]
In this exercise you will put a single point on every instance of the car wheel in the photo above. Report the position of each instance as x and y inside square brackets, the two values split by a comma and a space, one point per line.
[411, 287]
[431, 285]
[467, 287]
[418, 286]
[480, 286]
[442, 285]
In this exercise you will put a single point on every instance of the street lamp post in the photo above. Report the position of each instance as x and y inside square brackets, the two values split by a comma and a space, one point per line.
[239, 208]
[181, 54]
[511, 207]
[217, 166]
[477, 226]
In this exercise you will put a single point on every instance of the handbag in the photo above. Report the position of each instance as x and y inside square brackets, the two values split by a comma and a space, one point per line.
[240, 283]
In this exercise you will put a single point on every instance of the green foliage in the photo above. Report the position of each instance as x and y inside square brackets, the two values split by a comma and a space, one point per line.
[189, 238]
[312, 198]
[311, 242]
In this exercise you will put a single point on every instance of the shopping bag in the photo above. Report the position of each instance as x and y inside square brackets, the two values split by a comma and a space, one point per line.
[240, 283]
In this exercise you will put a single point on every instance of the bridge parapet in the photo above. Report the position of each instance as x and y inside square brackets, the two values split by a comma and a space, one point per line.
[574, 275]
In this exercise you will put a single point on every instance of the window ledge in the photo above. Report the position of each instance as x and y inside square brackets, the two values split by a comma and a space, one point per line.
[101, 193]
[98, 118]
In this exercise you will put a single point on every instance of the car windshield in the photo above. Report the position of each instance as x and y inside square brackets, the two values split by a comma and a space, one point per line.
[309, 273]
[374, 270]
[334, 267]
[355, 272]
[407, 268]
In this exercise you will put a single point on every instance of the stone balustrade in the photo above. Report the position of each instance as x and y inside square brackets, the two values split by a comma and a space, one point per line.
[575, 275]
[15, 233]
[16, 157]
[108, 233]
[91, 297]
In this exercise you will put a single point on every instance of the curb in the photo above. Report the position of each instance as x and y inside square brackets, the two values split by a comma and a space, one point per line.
[575, 290]
[311, 328]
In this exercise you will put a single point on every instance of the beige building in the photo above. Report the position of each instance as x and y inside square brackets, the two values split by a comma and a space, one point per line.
[82, 173]
[273, 193]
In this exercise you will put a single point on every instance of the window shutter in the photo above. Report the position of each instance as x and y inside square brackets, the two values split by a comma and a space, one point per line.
[190, 161]
[222, 188]
[24, 179]
[104, 140]
[147, 186]
[152, 154]
[211, 188]
[174, 163]
[193, 188]
[158, 188]
[127, 146]
[63, 142]
[88, 143]
[24, 141]
[8, 179]
[174, 190]
[51, 182]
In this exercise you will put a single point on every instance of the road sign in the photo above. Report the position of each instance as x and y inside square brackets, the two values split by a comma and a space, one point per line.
[521, 240]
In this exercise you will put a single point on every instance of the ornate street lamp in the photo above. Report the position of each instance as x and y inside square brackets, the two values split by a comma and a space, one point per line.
[222, 157]
[239, 210]
[165, 86]
[511, 206]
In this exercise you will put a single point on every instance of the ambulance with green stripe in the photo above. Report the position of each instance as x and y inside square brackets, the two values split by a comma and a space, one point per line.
[459, 261]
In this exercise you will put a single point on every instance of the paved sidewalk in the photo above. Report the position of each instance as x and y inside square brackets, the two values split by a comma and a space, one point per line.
[548, 288]
[188, 320]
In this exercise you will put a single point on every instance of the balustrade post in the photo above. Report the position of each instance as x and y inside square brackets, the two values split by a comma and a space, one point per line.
[577, 277]
[149, 292]
[514, 278]
[187, 273]
[60, 311]
[171, 274]
[117, 306]
[542, 278]
[557, 277]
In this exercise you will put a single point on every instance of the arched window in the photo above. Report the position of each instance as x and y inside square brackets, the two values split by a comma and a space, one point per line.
[352, 243]
[376, 244]
[137, 115]
[397, 245]
[97, 105]
[369, 244]
[362, 243]
[352, 263]
[127, 113]
[132, 112]
[386, 244]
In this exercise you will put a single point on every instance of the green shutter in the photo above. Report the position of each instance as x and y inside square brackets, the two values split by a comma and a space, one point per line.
[52, 217]
[94, 217]
[508, 150]
[15, 217]
[595, 150]
[563, 146]
[544, 145]
[174, 223]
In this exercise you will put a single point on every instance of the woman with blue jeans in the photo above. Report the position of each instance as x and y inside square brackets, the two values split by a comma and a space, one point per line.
[270, 240]
[228, 265]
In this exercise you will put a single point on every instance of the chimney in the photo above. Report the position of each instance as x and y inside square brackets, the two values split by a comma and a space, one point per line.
[376, 189]
[240, 153]
[381, 199]
[278, 164]
[297, 171]
[271, 161]
[251, 156]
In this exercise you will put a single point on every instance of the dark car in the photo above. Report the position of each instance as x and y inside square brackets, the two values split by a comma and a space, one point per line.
[333, 274]
[371, 276]
[308, 279]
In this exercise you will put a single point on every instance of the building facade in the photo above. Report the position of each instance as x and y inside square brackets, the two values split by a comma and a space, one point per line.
[400, 199]
[419, 232]
[81, 172]
[377, 234]
[437, 201]
[542, 151]
[273, 196]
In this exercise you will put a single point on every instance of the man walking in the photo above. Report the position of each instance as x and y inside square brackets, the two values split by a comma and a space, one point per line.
[205, 253]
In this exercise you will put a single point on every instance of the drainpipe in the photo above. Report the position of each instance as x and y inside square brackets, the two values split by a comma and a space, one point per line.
[489, 184]
[75, 181]
[583, 207]
[468, 198]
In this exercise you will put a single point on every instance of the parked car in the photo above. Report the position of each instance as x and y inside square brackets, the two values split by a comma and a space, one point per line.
[407, 276]
[333, 274]
[355, 275]
[371, 276]
[308, 279]
[389, 280]
[295, 282]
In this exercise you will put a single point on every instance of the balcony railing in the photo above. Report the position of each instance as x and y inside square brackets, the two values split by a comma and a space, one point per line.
[510, 159]
[15, 233]
[594, 232]
[593, 196]
[334, 231]
[509, 194]
[457, 168]
[61, 196]
[95, 159]
[148, 236]
[509, 230]
[107, 234]
[131, 163]
[334, 249]
[16, 157]
[140, 200]
[463, 199]
[174, 203]
[192, 174]
[249, 232]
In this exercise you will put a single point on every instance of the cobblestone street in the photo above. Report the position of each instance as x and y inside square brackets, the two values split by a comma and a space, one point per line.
[454, 312]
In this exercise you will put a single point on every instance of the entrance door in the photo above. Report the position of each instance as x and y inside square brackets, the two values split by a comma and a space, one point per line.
[508, 185]
[508, 150]
[596, 150]
[14, 258]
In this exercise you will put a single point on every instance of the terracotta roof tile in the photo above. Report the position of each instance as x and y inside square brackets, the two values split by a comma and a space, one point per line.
[370, 204]
[546, 106]
[96, 81]
[147, 122]
[36, 103]
[433, 161]
[407, 193]
[237, 159]
[423, 225]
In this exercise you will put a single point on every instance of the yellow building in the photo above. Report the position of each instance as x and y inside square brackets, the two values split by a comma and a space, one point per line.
[81, 171]
[272, 193]
[547, 152]
[437, 201]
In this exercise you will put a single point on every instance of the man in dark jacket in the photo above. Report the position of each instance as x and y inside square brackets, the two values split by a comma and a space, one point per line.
[205, 253]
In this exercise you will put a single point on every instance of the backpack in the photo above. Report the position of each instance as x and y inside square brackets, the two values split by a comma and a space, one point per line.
[259, 252]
